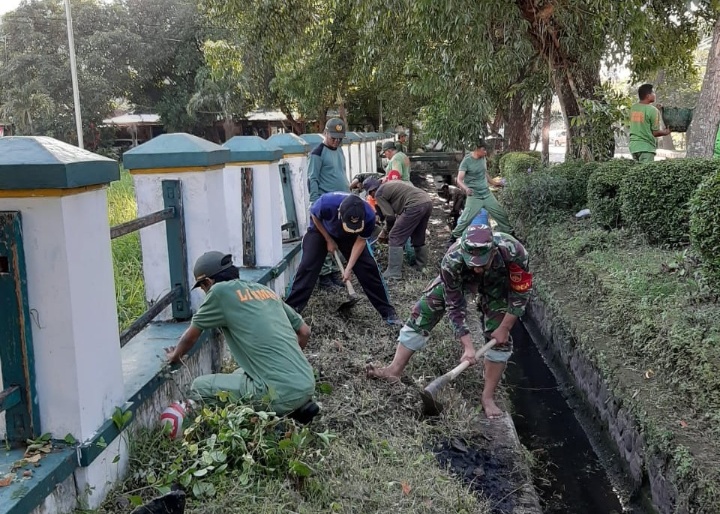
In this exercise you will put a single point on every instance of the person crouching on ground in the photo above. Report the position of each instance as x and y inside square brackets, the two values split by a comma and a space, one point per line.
[265, 337]
[341, 221]
[407, 209]
[495, 267]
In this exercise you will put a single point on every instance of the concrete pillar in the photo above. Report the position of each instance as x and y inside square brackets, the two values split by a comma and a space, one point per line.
[260, 155]
[370, 142]
[295, 153]
[199, 165]
[61, 193]
[356, 152]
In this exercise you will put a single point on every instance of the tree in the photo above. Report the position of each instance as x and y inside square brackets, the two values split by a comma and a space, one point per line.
[706, 118]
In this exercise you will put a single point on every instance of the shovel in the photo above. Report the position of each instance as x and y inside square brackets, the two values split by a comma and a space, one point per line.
[431, 406]
[345, 306]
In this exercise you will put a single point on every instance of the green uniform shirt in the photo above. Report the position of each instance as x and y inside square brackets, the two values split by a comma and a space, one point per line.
[395, 196]
[260, 330]
[326, 172]
[475, 179]
[716, 153]
[400, 162]
[644, 118]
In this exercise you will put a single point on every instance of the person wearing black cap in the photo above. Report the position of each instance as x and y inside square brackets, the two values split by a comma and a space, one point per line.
[265, 336]
[407, 211]
[327, 174]
[495, 267]
[341, 221]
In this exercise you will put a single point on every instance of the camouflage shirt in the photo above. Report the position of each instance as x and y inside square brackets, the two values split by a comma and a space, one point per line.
[508, 278]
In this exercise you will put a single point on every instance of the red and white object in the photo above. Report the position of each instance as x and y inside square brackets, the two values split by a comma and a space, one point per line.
[173, 416]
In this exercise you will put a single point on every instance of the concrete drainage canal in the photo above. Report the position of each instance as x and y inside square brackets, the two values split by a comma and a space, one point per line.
[574, 468]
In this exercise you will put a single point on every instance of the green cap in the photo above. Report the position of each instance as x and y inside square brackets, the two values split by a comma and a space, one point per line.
[477, 245]
[387, 145]
[210, 264]
[336, 128]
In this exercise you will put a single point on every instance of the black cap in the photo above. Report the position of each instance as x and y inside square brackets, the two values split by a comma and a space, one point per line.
[210, 264]
[352, 214]
[371, 184]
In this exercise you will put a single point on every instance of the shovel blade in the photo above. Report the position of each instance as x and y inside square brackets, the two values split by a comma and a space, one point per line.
[347, 305]
[431, 405]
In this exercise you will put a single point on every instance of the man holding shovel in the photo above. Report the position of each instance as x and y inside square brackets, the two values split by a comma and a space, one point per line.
[495, 267]
[341, 222]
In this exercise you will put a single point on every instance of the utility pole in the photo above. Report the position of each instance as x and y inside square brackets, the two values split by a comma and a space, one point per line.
[73, 73]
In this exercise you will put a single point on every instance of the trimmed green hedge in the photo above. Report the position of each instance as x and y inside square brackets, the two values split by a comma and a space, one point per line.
[532, 196]
[515, 163]
[603, 192]
[654, 197]
[577, 174]
[705, 225]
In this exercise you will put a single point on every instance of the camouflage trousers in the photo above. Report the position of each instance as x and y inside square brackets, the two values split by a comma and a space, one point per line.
[430, 309]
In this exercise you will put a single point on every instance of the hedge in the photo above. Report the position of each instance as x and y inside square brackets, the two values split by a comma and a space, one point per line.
[603, 192]
[529, 197]
[515, 163]
[577, 173]
[705, 225]
[654, 197]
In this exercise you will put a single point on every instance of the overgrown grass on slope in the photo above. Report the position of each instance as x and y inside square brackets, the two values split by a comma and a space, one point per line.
[127, 256]
[650, 323]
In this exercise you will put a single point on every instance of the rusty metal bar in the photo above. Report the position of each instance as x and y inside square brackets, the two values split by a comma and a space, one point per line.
[150, 314]
[142, 222]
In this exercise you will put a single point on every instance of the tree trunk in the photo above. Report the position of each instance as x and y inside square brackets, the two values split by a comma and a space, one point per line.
[295, 126]
[547, 105]
[228, 128]
[704, 126]
[517, 125]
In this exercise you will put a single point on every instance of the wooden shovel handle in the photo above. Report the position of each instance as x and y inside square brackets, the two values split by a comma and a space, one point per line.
[348, 284]
[465, 364]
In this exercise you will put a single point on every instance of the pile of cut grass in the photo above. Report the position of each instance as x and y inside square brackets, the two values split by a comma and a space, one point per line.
[381, 458]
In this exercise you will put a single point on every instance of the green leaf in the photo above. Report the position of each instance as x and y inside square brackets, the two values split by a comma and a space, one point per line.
[70, 439]
[300, 468]
[135, 501]
[324, 388]
[201, 472]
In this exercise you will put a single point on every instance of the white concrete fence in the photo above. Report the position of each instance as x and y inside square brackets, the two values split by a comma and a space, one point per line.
[82, 374]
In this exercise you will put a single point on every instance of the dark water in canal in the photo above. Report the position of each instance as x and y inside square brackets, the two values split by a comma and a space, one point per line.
[575, 472]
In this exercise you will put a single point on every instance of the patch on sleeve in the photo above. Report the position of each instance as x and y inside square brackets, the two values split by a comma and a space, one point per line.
[520, 280]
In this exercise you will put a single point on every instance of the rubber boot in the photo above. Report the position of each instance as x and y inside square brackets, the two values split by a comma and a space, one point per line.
[395, 262]
[421, 257]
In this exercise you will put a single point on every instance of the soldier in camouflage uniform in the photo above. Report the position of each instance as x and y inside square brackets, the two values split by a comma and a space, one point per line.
[493, 266]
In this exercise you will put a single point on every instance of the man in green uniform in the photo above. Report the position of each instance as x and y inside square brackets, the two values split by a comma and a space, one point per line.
[406, 209]
[401, 143]
[473, 180]
[493, 266]
[265, 337]
[326, 174]
[645, 126]
[398, 161]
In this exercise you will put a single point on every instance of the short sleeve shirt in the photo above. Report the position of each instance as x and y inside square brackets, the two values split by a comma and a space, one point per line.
[326, 209]
[475, 178]
[260, 331]
[644, 119]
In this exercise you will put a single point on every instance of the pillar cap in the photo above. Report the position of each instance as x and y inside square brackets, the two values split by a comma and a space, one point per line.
[312, 139]
[252, 149]
[289, 143]
[354, 137]
[40, 162]
[178, 150]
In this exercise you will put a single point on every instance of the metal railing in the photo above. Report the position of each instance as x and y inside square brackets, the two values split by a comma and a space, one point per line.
[179, 295]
